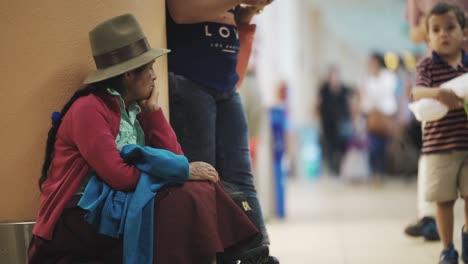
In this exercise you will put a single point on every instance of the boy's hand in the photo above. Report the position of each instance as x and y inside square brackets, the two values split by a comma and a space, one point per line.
[450, 99]
[151, 104]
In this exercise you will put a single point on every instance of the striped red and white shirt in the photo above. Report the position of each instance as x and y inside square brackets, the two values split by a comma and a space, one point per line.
[450, 132]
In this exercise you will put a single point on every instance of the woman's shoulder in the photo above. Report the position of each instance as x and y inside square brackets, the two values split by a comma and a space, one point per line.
[88, 101]
[95, 102]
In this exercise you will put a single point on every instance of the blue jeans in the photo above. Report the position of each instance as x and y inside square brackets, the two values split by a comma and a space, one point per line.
[377, 153]
[212, 127]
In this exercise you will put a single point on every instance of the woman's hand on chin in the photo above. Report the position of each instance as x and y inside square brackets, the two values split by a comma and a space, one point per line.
[152, 103]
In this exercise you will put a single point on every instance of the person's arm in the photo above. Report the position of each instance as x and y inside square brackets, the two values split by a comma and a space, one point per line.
[420, 92]
[196, 11]
[416, 20]
[445, 96]
[418, 31]
[243, 19]
[388, 103]
[158, 132]
[92, 135]
[423, 89]
[246, 34]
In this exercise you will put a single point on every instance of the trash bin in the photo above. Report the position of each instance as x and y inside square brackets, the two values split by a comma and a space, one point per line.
[14, 242]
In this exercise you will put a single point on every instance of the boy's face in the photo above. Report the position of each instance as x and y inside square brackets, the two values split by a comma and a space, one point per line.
[445, 35]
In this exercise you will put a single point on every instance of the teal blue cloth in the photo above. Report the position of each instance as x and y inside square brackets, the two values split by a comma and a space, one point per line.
[115, 213]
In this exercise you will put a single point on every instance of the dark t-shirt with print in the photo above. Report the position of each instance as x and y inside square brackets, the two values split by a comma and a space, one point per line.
[205, 53]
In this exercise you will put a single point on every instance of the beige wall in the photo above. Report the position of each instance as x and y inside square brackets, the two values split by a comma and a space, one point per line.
[44, 56]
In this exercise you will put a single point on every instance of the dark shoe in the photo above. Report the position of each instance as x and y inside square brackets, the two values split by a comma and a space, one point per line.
[449, 256]
[425, 227]
[464, 244]
[272, 260]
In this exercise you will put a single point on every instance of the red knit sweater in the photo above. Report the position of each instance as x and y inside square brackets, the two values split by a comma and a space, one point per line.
[85, 140]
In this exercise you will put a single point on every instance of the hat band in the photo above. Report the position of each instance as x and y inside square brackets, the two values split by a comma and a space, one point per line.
[120, 55]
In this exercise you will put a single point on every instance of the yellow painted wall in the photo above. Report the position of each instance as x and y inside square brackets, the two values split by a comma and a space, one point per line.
[44, 56]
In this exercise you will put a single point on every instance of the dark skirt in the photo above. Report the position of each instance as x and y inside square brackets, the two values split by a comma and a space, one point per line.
[191, 224]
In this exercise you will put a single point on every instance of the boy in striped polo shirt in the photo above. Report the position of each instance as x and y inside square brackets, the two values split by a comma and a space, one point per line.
[445, 141]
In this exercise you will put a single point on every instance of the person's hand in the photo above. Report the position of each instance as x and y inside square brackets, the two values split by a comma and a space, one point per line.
[450, 99]
[256, 2]
[202, 171]
[152, 103]
[245, 13]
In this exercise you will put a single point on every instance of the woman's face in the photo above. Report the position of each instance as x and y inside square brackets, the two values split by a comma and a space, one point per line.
[140, 85]
[373, 66]
[334, 78]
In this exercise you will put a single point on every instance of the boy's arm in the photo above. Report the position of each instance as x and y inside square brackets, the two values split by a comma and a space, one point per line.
[445, 96]
[424, 89]
[420, 92]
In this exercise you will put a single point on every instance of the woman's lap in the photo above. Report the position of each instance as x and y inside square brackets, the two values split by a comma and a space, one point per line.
[192, 223]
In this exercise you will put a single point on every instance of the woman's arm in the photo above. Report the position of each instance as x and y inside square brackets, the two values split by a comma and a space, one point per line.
[158, 132]
[416, 21]
[243, 17]
[196, 11]
[246, 33]
[92, 135]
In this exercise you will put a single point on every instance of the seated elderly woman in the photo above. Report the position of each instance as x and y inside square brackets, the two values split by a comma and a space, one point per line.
[113, 133]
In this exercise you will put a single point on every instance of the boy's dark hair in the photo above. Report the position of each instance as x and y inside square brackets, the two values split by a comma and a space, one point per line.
[52, 135]
[444, 8]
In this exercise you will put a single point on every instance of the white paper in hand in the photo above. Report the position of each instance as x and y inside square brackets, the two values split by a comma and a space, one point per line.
[427, 109]
[458, 85]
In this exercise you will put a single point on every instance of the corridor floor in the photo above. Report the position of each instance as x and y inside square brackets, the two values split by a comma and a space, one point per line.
[331, 222]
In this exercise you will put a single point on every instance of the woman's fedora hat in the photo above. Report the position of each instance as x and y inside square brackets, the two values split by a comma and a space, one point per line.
[119, 45]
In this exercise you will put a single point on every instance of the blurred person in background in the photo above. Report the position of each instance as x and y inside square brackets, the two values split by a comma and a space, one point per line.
[206, 110]
[416, 11]
[334, 111]
[379, 105]
[405, 145]
[253, 107]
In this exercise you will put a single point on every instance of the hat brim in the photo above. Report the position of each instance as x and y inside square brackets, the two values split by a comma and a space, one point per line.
[104, 74]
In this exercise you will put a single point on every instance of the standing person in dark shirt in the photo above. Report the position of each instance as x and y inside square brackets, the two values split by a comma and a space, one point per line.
[335, 119]
[206, 111]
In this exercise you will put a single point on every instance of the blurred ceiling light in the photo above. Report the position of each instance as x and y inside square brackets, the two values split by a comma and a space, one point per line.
[391, 61]
[409, 60]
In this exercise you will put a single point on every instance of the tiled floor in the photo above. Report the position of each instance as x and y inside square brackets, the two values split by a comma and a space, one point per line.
[330, 222]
